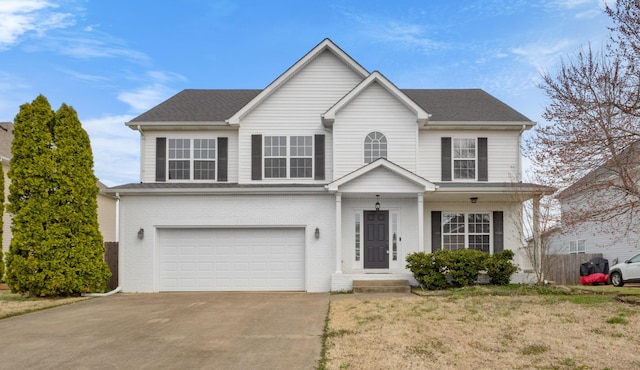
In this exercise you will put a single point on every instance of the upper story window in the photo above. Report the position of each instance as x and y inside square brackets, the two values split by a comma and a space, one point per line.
[464, 159]
[192, 159]
[375, 146]
[288, 156]
[577, 246]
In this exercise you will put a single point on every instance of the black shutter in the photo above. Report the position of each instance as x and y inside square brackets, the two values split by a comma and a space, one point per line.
[223, 158]
[256, 157]
[498, 231]
[161, 159]
[483, 173]
[436, 231]
[446, 158]
[319, 157]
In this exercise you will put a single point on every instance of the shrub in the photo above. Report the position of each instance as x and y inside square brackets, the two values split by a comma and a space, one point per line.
[465, 266]
[499, 267]
[426, 268]
[459, 268]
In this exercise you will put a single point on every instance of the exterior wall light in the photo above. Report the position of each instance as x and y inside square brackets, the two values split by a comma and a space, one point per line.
[377, 202]
[317, 234]
[474, 200]
[141, 233]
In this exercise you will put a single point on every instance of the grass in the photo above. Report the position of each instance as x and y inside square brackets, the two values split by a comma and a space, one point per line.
[12, 304]
[510, 327]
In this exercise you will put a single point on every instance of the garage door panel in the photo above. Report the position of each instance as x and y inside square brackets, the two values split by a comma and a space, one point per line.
[231, 259]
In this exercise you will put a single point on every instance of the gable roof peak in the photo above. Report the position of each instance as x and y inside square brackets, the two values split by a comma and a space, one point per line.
[422, 117]
[324, 45]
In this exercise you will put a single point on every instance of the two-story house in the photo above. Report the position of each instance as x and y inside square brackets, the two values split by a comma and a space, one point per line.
[328, 175]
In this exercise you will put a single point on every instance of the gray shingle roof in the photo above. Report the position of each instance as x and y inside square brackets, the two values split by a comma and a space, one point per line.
[443, 105]
[463, 105]
[198, 105]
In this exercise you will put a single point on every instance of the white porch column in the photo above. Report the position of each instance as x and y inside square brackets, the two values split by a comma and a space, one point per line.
[420, 222]
[338, 233]
[537, 242]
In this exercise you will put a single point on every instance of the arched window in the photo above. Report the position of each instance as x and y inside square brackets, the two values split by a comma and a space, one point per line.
[375, 146]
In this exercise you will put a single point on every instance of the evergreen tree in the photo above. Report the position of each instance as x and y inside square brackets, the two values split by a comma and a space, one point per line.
[76, 230]
[56, 247]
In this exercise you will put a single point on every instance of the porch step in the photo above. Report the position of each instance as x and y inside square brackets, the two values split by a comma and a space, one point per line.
[381, 286]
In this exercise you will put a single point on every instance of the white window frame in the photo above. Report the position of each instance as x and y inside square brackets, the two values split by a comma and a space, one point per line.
[473, 158]
[189, 156]
[287, 155]
[375, 139]
[395, 238]
[578, 246]
[465, 233]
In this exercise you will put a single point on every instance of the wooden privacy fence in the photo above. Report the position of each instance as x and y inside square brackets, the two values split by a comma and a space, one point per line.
[564, 269]
[111, 258]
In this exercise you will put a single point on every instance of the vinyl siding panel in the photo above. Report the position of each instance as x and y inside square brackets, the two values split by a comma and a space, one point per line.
[295, 108]
[375, 109]
[148, 169]
[380, 178]
[503, 153]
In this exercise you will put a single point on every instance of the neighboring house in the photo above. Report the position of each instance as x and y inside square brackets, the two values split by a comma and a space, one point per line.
[328, 175]
[585, 227]
[106, 202]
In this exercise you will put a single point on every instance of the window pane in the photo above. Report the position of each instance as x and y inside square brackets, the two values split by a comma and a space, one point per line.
[179, 170]
[204, 148]
[275, 153]
[275, 167]
[301, 149]
[464, 158]
[204, 170]
[357, 241]
[375, 146]
[179, 148]
[394, 236]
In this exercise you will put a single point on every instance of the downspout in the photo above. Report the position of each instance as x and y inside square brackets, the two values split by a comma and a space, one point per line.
[118, 288]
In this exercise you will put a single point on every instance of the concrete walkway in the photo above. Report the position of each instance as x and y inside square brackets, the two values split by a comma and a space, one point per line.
[170, 331]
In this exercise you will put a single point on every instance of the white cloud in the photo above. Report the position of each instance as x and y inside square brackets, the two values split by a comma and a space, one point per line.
[116, 149]
[154, 91]
[146, 97]
[20, 17]
[542, 55]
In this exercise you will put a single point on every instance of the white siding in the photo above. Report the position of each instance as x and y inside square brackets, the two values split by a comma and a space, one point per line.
[503, 153]
[375, 109]
[148, 157]
[381, 180]
[295, 108]
[139, 258]
[611, 238]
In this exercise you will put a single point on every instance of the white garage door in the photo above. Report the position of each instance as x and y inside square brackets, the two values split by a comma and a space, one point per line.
[231, 259]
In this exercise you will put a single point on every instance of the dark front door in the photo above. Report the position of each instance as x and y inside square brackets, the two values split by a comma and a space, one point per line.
[376, 239]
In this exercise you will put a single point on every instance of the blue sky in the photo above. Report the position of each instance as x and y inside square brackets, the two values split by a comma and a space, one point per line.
[113, 60]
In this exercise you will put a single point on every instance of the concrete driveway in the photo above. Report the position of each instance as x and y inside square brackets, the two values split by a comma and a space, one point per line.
[170, 331]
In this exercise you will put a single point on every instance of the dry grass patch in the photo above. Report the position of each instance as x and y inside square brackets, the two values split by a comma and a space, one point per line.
[16, 304]
[483, 332]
